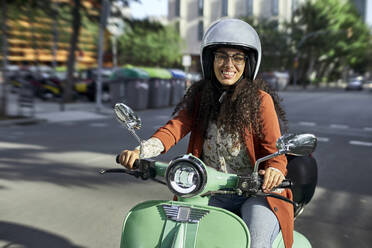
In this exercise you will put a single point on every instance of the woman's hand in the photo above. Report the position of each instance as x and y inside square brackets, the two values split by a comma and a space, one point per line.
[272, 178]
[128, 157]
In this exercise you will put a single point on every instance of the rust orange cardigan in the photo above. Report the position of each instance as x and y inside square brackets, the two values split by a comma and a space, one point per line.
[182, 124]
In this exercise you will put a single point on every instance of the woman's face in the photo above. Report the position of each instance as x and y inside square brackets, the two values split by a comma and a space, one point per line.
[228, 65]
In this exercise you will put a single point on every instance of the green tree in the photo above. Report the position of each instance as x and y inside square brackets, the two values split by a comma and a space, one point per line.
[275, 43]
[328, 38]
[149, 43]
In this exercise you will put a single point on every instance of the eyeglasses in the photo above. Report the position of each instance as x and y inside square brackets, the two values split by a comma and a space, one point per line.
[237, 59]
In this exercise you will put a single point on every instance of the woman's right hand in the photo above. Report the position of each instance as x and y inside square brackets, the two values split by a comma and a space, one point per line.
[127, 158]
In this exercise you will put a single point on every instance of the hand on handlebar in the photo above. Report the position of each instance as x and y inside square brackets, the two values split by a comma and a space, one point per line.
[272, 178]
[128, 157]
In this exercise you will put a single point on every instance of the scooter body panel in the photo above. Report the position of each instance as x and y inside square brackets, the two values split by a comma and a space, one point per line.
[299, 241]
[149, 225]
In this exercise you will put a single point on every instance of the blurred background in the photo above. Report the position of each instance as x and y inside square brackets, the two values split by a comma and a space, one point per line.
[65, 63]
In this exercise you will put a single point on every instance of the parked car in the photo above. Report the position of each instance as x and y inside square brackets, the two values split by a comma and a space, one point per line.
[276, 80]
[355, 83]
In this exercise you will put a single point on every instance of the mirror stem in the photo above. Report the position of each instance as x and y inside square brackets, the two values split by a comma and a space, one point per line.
[260, 160]
[131, 130]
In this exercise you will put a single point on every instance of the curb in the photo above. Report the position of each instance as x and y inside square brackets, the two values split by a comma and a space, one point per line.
[21, 121]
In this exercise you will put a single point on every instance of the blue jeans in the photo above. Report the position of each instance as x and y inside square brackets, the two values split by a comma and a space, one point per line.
[255, 211]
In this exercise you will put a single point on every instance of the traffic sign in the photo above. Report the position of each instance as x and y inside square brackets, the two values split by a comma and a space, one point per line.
[115, 25]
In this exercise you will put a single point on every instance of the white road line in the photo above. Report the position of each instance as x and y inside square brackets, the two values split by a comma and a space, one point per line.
[94, 159]
[339, 126]
[360, 143]
[322, 139]
[304, 123]
[98, 124]
[368, 129]
[162, 117]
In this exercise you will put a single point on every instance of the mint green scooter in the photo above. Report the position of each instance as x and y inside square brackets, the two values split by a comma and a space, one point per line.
[190, 222]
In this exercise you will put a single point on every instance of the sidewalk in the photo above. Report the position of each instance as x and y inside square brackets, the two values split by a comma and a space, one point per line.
[51, 112]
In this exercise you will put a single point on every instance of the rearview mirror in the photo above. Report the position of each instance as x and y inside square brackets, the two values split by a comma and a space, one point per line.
[297, 144]
[127, 116]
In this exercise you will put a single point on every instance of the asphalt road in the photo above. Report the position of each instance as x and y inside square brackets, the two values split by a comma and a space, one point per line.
[51, 194]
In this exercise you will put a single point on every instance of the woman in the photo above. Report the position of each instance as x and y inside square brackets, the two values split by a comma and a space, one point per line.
[233, 121]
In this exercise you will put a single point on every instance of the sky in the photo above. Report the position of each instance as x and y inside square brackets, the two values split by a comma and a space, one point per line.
[149, 8]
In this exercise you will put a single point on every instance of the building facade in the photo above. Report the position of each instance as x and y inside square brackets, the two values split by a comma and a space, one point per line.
[365, 9]
[192, 17]
[32, 39]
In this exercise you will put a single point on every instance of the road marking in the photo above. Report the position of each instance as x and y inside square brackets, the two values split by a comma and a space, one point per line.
[360, 143]
[322, 139]
[98, 124]
[8, 145]
[305, 123]
[162, 117]
[368, 129]
[339, 126]
[94, 159]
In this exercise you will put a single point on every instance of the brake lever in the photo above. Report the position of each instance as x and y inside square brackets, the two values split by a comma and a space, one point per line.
[219, 192]
[126, 171]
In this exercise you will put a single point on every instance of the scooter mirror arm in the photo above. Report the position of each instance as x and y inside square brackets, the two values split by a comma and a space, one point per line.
[260, 160]
[131, 130]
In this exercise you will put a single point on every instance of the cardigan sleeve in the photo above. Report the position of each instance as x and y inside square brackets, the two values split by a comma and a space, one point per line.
[271, 132]
[174, 130]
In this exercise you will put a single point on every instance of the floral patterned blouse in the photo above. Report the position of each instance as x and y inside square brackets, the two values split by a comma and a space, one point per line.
[223, 153]
[220, 151]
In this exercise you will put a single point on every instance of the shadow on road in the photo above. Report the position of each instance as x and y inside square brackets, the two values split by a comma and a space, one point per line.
[15, 235]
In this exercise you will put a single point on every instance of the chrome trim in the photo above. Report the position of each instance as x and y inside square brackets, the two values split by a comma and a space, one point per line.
[184, 214]
[197, 164]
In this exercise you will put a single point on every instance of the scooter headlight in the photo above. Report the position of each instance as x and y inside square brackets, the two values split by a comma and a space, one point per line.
[186, 176]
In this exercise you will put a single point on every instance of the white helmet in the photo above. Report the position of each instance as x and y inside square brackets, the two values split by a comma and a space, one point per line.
[232, 33]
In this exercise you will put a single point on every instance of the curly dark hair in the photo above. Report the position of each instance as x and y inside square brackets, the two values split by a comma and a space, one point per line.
[240, 108]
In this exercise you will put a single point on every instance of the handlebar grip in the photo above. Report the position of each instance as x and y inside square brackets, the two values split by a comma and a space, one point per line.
[136, 164]
[285, 184]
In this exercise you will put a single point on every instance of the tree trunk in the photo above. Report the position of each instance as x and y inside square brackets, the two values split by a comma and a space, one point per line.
[54, 6]
[31, 20]
[76, 23]
[4, 99]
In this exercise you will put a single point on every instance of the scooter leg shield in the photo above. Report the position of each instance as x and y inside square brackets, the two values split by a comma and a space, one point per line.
[177, 224]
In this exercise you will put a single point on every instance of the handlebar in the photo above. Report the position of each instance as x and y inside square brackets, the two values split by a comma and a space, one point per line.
[285, 184]
[246, 185]
[136, 164]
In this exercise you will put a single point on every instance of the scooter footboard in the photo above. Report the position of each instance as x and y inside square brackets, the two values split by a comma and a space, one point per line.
[166, 224]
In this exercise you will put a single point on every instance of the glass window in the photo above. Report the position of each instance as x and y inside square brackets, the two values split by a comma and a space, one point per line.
[177, 8]
[200, 7]
[224, 7]
[200, 30]
[274, 7]
[249, 7]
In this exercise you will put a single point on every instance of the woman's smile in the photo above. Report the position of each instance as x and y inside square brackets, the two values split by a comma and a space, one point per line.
[226, 70]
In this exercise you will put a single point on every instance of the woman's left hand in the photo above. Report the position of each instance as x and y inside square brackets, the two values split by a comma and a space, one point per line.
[272, 178]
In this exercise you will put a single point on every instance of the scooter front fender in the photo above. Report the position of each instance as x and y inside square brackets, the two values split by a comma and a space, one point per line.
[168, 224]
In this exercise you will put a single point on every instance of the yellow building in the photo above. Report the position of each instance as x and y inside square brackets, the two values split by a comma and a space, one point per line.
[31, 41]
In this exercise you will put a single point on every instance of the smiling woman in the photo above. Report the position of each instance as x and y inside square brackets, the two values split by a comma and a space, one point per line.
[233, 119]
[228, 65]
